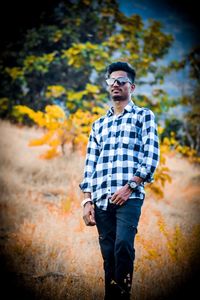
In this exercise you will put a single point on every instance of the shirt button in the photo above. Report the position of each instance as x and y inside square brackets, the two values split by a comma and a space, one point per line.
[109, 175]
[108, 190]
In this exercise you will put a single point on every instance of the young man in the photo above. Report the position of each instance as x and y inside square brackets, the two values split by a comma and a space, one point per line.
[122, 155]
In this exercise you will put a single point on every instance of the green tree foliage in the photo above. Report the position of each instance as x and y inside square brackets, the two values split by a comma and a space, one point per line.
[188, 128]
[69, 54]
[192, 122]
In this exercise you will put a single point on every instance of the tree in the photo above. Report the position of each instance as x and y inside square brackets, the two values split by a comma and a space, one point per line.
[188, 128]
[72, 49]
[192, 121]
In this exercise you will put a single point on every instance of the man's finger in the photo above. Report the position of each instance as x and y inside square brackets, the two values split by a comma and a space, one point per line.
[119, 201]
[85, 220]
[91, 223]
[89, 220]
[113, 197]
[116, 199]
[92, 217]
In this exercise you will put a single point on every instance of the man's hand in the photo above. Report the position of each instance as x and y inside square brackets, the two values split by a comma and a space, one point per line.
[88, 214]
[121, 195]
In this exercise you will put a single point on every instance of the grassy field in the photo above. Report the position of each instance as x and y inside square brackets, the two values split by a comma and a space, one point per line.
[48, 253]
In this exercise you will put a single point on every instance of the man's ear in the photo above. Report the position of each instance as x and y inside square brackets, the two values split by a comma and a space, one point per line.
[132, 87]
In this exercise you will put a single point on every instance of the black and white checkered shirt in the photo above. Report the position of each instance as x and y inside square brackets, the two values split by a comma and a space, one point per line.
[119, 148]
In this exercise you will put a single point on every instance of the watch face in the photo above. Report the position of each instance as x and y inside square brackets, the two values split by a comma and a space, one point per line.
[133, 184]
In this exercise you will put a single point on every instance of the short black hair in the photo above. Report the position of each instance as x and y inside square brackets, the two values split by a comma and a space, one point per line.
[121, 66]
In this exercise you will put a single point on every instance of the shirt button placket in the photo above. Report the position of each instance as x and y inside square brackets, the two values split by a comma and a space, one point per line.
[109, 176]
[111, 159]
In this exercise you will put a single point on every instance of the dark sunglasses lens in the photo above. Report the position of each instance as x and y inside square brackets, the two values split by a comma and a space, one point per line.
[121, 81]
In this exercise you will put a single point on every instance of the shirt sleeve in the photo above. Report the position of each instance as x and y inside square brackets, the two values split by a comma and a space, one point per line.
[92, 155]
[151, 149]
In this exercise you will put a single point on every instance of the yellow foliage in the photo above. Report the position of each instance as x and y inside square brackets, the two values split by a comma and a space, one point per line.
[36, 142]
[107, 11]
[4, 103]
[55, 91]
[71, 95]
[174, 246]
[29, 61]
[156, 190]
[98, 65]
[40, 63]
[51, 153]
[78, 52]
[37, 117]
[15, 72]
[152, 253]
[170, 143]
[90, 88]
[114, 41]
[61, 130]
[90, 46]
[57, 36]
[72, 55]
[160, 130]
[54, 143]
[162, 174]
[55, 112]
[98, 110]
[43, 140]
[78, 96]
[49, 57]
[70, 105]
[174, 239]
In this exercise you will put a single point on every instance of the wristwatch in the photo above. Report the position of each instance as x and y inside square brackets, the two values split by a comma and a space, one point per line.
[132, 184]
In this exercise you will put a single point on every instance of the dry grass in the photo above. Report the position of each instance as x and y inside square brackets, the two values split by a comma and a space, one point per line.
[48, 249]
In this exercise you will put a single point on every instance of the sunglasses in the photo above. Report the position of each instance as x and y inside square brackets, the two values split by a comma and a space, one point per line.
[120, 81]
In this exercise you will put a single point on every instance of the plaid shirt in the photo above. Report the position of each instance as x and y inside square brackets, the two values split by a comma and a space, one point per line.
[119, 148]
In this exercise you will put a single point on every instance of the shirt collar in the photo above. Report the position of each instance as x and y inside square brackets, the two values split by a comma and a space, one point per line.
[127, 108]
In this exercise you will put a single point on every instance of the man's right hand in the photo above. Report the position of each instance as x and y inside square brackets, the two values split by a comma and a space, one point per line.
[88, 214]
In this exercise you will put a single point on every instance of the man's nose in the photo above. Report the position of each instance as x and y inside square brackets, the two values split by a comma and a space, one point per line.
[115, 83]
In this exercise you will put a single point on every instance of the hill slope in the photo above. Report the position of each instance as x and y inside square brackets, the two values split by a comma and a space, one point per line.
[48, 253]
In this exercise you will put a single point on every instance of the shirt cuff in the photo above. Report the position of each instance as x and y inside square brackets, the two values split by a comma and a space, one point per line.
[143, 173]
[85, 187]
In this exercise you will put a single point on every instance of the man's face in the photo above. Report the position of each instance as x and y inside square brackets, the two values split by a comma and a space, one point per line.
[120, 92]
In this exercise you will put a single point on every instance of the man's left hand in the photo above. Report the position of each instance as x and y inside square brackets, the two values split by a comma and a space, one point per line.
[121, 196]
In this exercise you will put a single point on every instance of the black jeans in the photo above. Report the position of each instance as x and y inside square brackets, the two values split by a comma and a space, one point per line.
[117, 227]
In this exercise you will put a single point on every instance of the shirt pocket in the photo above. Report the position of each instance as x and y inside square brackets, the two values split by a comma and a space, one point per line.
[129, 135]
